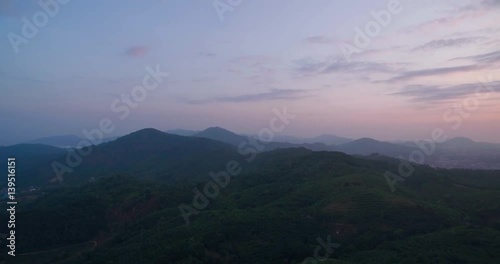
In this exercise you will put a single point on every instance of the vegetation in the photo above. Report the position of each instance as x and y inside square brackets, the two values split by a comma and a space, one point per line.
[273, 212]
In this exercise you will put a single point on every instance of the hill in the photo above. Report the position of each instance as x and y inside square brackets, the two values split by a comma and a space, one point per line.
[466, 153]
[64, 141]
[330, 139]
[29, 157]
[276, 211]
[221, 134]
[367, 146]
[324, 139]
[29, 150]
[148, 154]
[58, 141]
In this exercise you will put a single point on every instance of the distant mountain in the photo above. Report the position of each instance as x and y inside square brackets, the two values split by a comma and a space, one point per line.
[29, 150]
[64, 141]
[368, 146]
[463, 152]
[325, 139]
[182, 132]
[458, 143]
[318, 146]
[153, 154]
[310, 146]
[29, 157]
[221, 134]
[331, 140]
[58, 141]
[463, 143]
[461, 140]
[149, 154]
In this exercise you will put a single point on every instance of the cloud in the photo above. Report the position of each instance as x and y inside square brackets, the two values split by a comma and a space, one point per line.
[320, 39]
[309, 66]
[343, 66]
[137, 51]
[448, 22]
[251, 64]
[446, 43]
[383, 51]
[457, 17]
[273, 94]
[259, 70]
[490, 3]
[492, 57]
[433, 93]
[432, 72]
[481, 5]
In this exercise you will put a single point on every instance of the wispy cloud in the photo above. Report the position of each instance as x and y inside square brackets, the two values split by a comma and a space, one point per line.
[492, 57]
[259, 70]
[447, 43]
[384, 51]
[481, 5]
[343, 66]
[321, 39]
[432, 72]
[309, 66]
[490, 3]
[273, 94]
[137, 51]
[457, 18]
[433, 93]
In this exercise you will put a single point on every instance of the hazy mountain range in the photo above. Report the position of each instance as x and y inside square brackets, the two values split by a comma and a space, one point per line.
[172, 157]
[123, 203]
[363, 146]
[63, 141]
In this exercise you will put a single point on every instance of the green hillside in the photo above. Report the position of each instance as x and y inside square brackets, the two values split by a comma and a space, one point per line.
[273, 212]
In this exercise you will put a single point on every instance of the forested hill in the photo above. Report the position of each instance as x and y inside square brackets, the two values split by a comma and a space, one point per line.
[275, 211]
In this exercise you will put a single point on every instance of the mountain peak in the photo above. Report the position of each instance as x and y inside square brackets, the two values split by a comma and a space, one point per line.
[367, 146]
[58, 141]
[216, 128]
[460, 142]
[146, 134]
[216, 131]
[147, 131]
[221, 134]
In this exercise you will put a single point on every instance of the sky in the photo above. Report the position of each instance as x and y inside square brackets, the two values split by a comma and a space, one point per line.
[341, 67]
